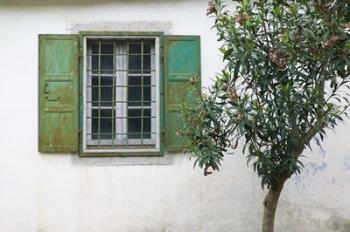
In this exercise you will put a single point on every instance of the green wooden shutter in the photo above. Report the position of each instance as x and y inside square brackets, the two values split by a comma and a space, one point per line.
[182, 63]
[58, 93]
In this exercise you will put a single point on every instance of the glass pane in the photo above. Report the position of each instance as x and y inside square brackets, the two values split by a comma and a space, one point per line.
[146, 63]
[94, 48]
[106, 96]
[106, 81]
[106, 113]
[134, 96]
[146, 80]
[94, 125]
[134, 124]
[94, 80]
[94, 113]
[107, 48]
[147, 96]
[134, 90]
[106, 124]
[147, 90]
[94, 62]
[134, 80]
[147, 124]
[134, 48]
[107, 62]
[94, 93]
[146, 48]
[134, 63]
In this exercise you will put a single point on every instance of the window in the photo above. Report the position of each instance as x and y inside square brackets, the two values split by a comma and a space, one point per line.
[114, 93]
[121, 94]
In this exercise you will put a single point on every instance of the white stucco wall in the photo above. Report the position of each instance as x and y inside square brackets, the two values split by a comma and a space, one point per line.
[60, 193]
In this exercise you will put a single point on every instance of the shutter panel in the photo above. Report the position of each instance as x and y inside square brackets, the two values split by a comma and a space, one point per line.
[58, 93]
[182, 63]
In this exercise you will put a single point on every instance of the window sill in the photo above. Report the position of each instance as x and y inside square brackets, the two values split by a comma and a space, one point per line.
[120, 154]
[130, 160]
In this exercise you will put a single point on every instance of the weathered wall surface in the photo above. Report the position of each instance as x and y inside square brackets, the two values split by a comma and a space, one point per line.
[63, 193]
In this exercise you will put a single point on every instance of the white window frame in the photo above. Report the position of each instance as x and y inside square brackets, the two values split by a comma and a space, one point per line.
[134, 145]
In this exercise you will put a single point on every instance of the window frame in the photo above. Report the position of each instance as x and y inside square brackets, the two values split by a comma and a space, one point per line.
[157, 151]
[154, 140]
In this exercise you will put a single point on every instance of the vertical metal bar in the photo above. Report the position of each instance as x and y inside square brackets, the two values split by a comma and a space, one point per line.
[87, 81]
[142, 103]
[114, 92]
[99, 95]
[127, 94]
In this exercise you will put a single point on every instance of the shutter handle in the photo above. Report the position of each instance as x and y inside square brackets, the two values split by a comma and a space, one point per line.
[47, 92]
[194, 79]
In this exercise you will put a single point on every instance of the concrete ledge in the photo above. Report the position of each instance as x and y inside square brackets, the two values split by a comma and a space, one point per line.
[163, 26]
[122, 161]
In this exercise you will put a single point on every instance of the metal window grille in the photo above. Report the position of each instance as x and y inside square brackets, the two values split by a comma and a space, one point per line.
[121, 102]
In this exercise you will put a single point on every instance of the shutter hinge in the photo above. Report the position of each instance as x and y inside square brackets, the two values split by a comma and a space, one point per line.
[162, 59]
[162, 137]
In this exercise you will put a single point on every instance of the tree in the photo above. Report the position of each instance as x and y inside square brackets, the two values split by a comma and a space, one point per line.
[284, 83]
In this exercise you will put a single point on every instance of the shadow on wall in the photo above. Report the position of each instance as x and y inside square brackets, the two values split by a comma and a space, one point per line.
[75, 2]
[339, 224]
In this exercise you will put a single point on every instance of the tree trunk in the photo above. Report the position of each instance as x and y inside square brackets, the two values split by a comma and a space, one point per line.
[270, 206]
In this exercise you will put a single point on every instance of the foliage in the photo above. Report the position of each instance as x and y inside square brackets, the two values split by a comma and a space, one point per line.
[285, 81]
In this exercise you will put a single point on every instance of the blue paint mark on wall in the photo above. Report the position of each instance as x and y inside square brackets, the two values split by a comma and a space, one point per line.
[310, 169]
[322, 152]
[347, 163]
[332, 180]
